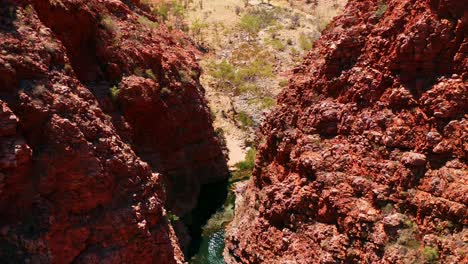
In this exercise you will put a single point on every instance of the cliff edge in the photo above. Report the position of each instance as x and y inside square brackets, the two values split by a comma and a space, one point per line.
[365, 158]
[104, 133]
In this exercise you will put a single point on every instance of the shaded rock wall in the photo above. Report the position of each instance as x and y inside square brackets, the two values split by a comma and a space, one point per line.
[87, 177]
[365, 159]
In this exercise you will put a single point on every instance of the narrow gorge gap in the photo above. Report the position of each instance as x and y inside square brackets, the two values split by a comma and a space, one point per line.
[211, 199]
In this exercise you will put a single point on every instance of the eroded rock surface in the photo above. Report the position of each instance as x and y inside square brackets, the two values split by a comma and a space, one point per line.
[365, 158]
[103, 127]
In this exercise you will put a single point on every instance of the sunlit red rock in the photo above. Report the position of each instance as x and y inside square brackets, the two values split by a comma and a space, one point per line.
[364, 159]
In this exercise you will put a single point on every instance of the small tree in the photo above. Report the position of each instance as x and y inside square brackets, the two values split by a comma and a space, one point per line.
[251, 24]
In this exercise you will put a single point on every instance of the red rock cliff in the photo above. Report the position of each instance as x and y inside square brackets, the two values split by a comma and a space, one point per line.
[365, 159]
[103, 126]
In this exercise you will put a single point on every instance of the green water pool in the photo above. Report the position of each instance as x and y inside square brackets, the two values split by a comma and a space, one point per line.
[211, 249]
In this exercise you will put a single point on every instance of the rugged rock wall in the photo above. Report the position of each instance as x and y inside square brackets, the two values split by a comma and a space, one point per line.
[87, 172]
[365, 159]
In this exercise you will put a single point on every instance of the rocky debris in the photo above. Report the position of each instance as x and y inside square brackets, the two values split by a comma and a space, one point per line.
[365, 157]
[84, 177]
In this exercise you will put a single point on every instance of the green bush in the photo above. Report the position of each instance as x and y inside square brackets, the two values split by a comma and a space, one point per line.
[268, 102]
[248, 88]
[185, 76]
[239, 79]
[245, 119]
[165, 9]
[149, 74]
[251, 24]
[223, 71]
[430, 254]
[114, 91]
[197, 28]
[162, 10]
[146, 22]
[245, 167]
[138, 72]
[109, 24]
[172, 217]
[283, 83]
[257, 68]
[381, 10]
[305, 43]
[276, 44]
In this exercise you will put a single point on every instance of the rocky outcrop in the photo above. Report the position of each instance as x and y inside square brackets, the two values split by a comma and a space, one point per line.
[103, 127]
[365, 158]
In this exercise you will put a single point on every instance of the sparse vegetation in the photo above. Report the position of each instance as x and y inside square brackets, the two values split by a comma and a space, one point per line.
[56, 3]
[138, 72]
[149, 74]
[109, 24]
[245, 120]
[146, 22]
[430, 254]
[165, 91]
[197, 28]
[173, 12]
[250, 24]
[381, 10]
[387, 209]
[238, 78]
[305, 43]
[114, 92]
[39, 90]
[276, 44]
[283, 83]
[172, 217]
[268, 102]
[245, 167]
[185, 76]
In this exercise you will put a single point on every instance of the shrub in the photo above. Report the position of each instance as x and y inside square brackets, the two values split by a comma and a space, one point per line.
[257, 68]
[39, 90]
[138, 72]
[146, 22]
[197, 29]
[172, 217]
[304, 42]
[248, 87]
[387, 209]
[109, 24]
[165, 9]
[430, 254]
[245, 167]
[114, 91]
[149, 74]
[245, 119]
[268, 102]
[283, 83]
[185, 77]
[381, 10]
[276, 44]
[251, 24]
[223, 71]
[162, 10]
[164, 91]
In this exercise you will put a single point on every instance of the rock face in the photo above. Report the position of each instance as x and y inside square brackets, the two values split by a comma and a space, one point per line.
[365, 158]
[103, 127]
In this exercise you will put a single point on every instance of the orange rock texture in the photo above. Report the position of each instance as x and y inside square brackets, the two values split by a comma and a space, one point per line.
[104, 129]
[365, 158]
